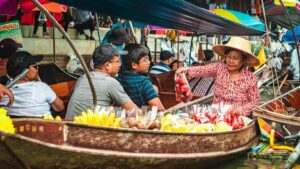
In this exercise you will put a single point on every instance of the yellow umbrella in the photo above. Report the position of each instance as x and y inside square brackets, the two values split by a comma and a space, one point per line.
[290, 3]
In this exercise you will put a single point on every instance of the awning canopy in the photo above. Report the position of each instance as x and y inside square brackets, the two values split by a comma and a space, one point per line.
[276, 15]
[173, 14]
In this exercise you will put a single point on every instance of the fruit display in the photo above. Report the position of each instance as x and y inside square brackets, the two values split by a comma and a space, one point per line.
[101, 118]
[182, 88]
[194, 119]
[6, 122]
[202, 119]
[117, 117]
[50, 117]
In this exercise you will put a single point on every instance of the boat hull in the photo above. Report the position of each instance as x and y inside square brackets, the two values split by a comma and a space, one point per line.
[91, 152]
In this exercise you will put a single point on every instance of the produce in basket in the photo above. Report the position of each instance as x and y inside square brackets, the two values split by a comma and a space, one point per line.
[182, 88]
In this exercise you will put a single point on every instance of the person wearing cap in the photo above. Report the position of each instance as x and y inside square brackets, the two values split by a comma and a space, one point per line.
[118, 37]
[109, 91]
[32, 97]
[166, 58]
[133, 79]
[234, 84]
[8, 46]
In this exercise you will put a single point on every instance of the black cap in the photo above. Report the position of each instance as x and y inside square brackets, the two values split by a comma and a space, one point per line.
[119, 36]
[165, 54]
[8, 46]
[106, 52]
[19, 61]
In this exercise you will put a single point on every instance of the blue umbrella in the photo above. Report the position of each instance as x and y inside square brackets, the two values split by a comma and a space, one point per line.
[288, 36]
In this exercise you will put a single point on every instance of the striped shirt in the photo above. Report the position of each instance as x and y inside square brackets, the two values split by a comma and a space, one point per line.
[159, 68]
[138, 87]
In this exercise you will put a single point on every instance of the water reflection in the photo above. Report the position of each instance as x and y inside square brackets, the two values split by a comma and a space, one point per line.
[245, 163]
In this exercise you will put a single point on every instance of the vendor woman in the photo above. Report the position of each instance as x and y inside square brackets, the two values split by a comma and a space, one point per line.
[234, 84]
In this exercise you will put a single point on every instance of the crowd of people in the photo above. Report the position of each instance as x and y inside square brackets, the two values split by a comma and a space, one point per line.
[120, 70]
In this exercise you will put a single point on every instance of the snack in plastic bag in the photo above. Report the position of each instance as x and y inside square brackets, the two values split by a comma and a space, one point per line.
[182, 88]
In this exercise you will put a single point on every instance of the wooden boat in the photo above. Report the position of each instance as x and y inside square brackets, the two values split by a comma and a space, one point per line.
[50, 144]
[46, 72]
[62, 83]
[284, 109]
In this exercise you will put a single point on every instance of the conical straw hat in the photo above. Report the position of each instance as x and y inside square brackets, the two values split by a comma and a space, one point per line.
[240, 44]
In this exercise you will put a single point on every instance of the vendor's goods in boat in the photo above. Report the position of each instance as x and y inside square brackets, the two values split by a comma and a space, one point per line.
[68, 144]
[182, 88]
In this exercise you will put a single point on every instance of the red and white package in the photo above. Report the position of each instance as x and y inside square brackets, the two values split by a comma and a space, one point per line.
[182, 88]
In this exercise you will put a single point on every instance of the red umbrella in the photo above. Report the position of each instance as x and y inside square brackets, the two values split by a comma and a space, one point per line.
[28, 5]
[53, 7]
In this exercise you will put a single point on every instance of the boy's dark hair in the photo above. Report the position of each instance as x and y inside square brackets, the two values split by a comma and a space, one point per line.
[135, 53]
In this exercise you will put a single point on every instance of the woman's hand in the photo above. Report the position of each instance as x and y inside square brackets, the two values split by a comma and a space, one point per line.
[182, 70]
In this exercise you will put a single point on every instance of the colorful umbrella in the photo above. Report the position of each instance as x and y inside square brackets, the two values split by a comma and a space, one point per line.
[9, 7]
[288, 36]
[53, 7]
[28, 5]
[240, 18]
[290, 3]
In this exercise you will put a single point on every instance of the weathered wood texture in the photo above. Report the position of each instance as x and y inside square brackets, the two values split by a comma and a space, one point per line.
[140, 141]
[47, 144]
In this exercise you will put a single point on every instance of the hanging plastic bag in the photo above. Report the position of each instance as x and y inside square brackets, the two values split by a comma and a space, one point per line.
[182, 88]
[42, 17]
[74, 65]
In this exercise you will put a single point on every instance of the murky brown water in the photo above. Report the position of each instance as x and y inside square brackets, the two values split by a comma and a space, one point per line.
[246, 163]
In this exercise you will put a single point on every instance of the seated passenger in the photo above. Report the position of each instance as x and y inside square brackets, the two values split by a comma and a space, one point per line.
[137, 86]
[109, 91]
[32, 97]
[166, 58]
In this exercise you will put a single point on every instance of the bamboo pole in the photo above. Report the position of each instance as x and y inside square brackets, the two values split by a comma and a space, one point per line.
[294, 34]
[58, 26]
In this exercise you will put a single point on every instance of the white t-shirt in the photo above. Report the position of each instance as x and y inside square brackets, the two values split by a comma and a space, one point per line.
[31, 99]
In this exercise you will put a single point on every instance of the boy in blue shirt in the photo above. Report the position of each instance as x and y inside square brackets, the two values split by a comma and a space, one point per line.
[136, 85]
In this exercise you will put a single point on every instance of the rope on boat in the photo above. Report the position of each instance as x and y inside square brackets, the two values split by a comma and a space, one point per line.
[58, 26]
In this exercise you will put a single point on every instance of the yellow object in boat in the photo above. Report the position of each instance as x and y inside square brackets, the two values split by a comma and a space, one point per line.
[203, 128]
[276, 147]
[222, 126]
[58, 118]
[111, 119]
[117, 122]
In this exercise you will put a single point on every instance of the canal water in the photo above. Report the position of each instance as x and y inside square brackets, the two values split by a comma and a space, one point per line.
[246, 163]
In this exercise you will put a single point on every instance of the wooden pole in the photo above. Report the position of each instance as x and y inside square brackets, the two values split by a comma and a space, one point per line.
[85, 68]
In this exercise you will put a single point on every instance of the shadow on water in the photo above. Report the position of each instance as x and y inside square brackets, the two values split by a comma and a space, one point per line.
[246, 163]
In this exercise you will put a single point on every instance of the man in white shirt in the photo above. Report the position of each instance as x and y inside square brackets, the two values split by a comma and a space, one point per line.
[294, 65]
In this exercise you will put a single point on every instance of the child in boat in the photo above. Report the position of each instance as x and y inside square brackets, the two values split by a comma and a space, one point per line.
[234, 84]
[32, 97]
[135, 83]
